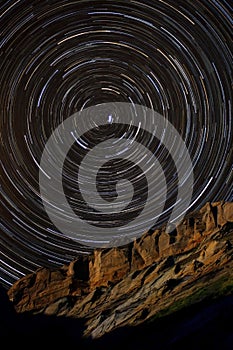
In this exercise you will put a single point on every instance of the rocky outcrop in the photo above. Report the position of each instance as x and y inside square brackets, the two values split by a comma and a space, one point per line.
[133, 284]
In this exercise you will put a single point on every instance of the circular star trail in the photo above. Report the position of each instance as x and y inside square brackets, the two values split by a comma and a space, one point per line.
[60, 57]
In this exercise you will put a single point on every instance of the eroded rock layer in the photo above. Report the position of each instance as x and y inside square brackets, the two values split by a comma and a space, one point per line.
[131, 284]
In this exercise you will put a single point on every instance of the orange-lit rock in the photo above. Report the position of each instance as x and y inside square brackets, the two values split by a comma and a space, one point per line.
[113, 287]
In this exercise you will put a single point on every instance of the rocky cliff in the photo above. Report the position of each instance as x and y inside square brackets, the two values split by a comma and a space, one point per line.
[136, 284]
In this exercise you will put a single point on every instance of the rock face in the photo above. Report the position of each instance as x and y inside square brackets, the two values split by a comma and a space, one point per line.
[133, 284]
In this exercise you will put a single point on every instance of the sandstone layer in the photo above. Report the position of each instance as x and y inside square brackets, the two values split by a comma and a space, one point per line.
[133, 284]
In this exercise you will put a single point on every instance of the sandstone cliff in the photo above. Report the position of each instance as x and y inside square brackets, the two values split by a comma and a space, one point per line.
[134, 284]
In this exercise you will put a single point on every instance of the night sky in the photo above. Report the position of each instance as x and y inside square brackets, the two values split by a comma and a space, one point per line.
[60, 57]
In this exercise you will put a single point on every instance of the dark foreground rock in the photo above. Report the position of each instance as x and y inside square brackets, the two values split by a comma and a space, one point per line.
[205, 325]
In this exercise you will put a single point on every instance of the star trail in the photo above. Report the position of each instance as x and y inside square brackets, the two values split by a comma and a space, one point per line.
[60, 57]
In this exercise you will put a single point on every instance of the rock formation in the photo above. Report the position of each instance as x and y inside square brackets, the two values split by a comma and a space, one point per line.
[153, 276]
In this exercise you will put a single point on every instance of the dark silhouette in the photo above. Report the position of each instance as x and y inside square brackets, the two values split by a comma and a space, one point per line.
[207, 325]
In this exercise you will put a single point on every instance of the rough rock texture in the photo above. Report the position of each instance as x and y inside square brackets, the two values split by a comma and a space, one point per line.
[133, 284]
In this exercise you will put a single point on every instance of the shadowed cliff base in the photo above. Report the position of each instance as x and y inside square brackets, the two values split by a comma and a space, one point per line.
[205, 325]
